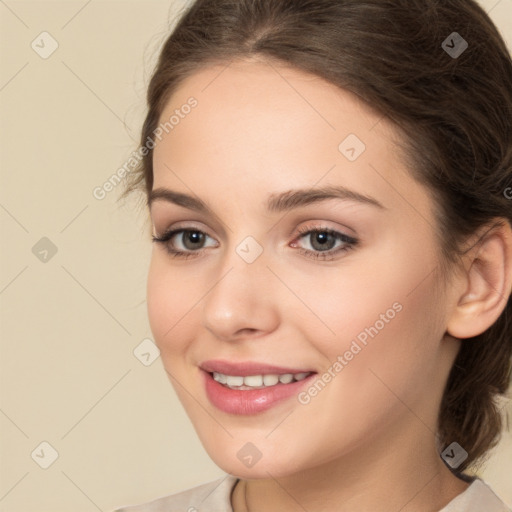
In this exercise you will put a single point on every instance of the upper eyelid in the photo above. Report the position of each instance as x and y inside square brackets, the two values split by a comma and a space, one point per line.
[290, 201]
[186, 227]
[303, 232]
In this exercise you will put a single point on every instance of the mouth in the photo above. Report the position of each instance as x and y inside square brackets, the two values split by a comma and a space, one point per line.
[251, 388]
[260, 381]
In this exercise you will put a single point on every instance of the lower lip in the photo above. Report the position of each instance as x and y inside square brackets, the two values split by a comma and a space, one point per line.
[250, 401]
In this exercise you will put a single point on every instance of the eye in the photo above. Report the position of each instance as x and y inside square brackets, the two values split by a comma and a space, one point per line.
[184, 243]
[324, 243]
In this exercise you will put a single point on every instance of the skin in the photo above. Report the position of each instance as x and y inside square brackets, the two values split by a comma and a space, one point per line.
[366, 441]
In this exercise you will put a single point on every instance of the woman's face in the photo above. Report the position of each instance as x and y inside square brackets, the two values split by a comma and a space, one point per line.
[314, 252]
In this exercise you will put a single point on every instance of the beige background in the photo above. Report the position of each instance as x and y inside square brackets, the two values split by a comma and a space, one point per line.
[70, 325]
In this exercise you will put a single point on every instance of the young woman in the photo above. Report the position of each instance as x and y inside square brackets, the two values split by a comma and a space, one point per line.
[330, 189]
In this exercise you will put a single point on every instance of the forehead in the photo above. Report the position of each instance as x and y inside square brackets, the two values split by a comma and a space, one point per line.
[270, 91]
[258, 128]
[261, 111]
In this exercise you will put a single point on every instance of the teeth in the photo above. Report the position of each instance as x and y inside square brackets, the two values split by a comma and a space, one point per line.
[253, 381]
[220, 377]
[270, 380]
[286, 378]
[234, 381]
[257, 381]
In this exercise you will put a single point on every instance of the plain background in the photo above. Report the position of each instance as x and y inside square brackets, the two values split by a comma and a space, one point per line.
[70, 324]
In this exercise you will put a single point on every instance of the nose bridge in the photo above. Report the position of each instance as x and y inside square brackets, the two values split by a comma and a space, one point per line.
[241, 297]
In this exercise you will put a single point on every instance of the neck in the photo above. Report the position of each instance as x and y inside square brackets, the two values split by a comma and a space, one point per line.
[402, 471]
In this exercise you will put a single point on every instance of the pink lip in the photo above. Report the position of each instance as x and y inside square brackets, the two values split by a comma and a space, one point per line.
[244, 369]
[249, 401]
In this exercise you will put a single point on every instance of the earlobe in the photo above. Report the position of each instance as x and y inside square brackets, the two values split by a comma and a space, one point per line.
[487, 283]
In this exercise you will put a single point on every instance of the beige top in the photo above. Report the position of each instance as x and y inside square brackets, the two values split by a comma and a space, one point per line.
[215, 496]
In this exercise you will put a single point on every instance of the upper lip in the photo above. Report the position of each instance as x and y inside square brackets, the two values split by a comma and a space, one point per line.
[246, 368]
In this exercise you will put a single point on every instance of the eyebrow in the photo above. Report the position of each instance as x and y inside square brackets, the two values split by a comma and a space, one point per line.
[276, 203]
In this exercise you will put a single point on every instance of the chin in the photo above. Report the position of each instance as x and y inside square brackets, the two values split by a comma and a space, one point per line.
[272, 465]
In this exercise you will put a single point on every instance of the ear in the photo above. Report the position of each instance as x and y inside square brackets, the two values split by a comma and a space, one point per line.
[486, 283]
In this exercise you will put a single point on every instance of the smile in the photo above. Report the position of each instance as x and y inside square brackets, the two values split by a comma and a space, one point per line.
[257, 381]
[247, 388]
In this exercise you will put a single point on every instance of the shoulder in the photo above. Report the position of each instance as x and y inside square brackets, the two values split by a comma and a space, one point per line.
[476, 498]
[214, 496]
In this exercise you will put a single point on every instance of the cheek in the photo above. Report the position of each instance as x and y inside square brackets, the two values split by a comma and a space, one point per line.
[383, 316]
[351, 302]
[170, 300]
[383, 366]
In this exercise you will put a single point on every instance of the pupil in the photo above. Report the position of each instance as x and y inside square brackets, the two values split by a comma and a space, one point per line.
[322, 239]
[193, 238]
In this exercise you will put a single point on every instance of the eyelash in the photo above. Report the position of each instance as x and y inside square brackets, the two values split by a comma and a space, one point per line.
[349, 242]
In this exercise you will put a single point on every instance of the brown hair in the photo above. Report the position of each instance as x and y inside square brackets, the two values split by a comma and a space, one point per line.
[455, 113]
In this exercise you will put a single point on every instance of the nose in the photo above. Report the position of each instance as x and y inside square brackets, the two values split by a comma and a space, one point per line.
[241, 303]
